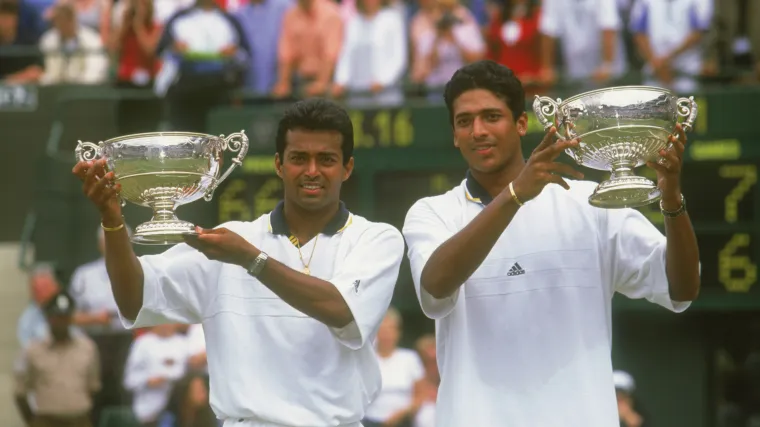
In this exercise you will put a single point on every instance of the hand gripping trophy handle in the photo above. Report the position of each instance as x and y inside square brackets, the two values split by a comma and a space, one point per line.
[546, 108]
[87, 151]
[687, 108]
[237, 143]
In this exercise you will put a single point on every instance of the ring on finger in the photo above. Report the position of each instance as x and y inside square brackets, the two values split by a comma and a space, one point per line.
[662, 161]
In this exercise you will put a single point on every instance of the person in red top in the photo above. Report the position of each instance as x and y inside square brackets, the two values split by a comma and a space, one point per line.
[134, 46]
[513, 38]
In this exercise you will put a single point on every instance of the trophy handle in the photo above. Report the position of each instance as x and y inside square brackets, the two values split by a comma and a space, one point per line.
[687, 108]
[87, 151]
[237, 143]
[545, 107]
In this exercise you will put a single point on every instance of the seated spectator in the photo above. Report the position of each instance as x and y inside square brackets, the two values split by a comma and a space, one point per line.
[205, 55]
[669, 39]
[310, 42]
[134, 49]
[15, 32]
[90, 13]
[445, 37]
[62, 371]
[373, 57]
[426, 389]
[189, 404]
[262, 22]
[733, 43]
[32, 323]
[513, 38]
[196, 344]
[155, 362]
[73, 53]
[400, 369]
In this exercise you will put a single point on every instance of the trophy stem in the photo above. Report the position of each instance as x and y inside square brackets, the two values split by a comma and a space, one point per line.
[164, 227]
[163, 211]
[624, 189]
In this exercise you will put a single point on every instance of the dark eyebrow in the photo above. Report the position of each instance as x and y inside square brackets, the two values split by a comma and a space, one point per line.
[478, 113]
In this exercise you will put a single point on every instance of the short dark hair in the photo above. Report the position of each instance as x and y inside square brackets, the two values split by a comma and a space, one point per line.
[9, 7]
[317, 114]
[488, 75]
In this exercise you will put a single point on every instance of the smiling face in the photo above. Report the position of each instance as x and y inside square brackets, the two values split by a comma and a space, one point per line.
[312, 168]
[485, 131]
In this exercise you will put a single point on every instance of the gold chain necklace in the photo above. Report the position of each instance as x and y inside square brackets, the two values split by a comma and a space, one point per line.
[306, 269]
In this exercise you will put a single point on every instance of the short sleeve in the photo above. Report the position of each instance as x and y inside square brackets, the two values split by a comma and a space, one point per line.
[700, 15]
[639, 18]
[549, 21]
[636, 263]
[176, 286]
[366, 282]
[608, 15]
[424, 231]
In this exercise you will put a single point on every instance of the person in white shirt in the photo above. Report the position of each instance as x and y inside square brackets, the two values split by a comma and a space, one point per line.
[519, 270]
[290, 303]
[669, 37]
[156, 361]
[400, 369]
[590, 34]
[196, 347]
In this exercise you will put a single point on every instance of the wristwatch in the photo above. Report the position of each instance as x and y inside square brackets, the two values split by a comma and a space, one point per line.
[675, 213]
[258, 264]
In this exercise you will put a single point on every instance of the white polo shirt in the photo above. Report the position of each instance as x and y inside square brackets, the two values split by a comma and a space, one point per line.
[269, 364]
[526, 341]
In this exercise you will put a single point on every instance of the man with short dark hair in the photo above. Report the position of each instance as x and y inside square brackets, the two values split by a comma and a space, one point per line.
[62, 371]
[519, 270]
[290, 302]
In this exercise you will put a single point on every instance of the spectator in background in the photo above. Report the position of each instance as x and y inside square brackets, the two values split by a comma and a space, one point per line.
[196, 348]
[32, 323]
[733, 42]
[668, 36]
[400, 369]
[262, 22]
[592, 46]
[16, 31]
[426, 389]
[205, 55]
[90, 13]
[133, 47]
[156, 361]
[444, 36]
[630, 415]
[373, 58]
[73, 53]
[309, 46]
[62, 371]
[189, 404]
[513, 38]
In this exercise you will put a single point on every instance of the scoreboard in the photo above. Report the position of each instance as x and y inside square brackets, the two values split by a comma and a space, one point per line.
[405, 154]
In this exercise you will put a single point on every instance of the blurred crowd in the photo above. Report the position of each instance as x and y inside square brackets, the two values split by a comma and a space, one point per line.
[194, 53]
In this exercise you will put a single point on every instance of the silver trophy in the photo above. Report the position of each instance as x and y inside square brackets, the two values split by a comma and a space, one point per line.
[164, 170]
[620, 129]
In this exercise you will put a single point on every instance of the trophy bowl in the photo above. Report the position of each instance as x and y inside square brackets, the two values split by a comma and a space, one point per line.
[164, 170]
[620, 129]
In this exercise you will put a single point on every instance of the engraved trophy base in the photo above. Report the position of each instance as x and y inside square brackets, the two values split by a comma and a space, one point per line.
[624, 190]
[163, 229]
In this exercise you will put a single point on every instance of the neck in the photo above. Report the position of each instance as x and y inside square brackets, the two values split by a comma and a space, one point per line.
[385, 352]
[496, 182]
[305, 224]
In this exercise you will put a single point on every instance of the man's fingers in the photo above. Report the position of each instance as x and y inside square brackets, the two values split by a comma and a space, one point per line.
[80, 169]
[681, 133]
[553, 151]
[547, 141]
[559, 181]
[564, 169]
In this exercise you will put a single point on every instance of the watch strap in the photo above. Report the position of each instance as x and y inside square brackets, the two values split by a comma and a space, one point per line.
[258, 264]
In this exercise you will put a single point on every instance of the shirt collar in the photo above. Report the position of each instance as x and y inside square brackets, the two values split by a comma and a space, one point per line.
[338, 223]
[476, 192]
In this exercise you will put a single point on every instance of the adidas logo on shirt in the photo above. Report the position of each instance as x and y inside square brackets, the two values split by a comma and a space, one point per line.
[516, 270]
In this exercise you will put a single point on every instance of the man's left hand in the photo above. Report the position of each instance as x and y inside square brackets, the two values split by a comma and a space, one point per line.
[221, 244]
[668, 169]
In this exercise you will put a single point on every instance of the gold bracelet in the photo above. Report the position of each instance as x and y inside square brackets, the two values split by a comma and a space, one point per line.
[514, 196]
[112, 228]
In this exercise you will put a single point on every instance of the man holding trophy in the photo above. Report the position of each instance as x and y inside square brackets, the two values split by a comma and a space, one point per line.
[518, 264]
[289, 302]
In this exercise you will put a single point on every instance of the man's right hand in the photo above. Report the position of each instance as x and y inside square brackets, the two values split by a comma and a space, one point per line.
[98, 185]
[541, 169]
